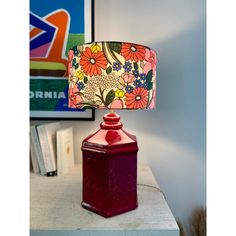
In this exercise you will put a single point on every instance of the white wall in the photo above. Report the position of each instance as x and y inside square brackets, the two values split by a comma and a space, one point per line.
[171, 138]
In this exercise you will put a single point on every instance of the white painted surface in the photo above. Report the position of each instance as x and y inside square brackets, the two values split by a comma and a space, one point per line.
[55, 205]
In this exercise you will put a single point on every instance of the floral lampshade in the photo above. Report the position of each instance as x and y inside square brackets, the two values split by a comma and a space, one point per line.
[113, 75]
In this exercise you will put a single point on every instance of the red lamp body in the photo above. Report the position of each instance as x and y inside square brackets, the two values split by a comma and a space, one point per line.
[110, 169]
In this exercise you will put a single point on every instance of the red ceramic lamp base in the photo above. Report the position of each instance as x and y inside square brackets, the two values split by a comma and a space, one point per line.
[110, 169]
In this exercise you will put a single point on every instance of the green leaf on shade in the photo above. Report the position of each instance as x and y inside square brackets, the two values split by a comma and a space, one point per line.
[149, 76]
[75, 50]
[149, 85]
[115, 46]
[85, 79]
[79, 93]
[76, 66]
[108, 70]
[135, 65]
[88, 107]
[109, 98]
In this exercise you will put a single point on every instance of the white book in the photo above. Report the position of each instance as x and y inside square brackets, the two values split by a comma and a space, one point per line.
[34, 160]
[47, 138]
[65, 150]
[35, 145]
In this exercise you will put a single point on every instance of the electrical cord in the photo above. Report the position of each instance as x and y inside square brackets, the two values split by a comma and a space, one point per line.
[154, 187]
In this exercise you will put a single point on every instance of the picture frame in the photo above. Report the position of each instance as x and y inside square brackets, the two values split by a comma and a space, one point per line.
[55, 27]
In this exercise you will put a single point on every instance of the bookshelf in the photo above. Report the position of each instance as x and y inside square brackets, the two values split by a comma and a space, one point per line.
[55, 209]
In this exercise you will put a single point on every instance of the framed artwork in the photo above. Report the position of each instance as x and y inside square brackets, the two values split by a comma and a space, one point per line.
[55, 27]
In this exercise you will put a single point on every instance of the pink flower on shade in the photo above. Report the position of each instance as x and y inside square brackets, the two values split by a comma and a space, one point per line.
[74, 98]
[127, 77]
[150, 57]
[116, 104]
[70, 55]
[69, 68]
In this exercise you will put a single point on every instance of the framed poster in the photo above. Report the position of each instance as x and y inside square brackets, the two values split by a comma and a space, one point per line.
[55, 27]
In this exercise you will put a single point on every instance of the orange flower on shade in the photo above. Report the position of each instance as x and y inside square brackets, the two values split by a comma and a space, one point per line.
[92, 63]
[133, 52]
[137, 99]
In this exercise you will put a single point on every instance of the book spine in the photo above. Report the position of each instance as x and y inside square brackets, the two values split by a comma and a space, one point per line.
[38, 151]
[65, 150]
[34, 159]
[52, 150]
[45, 149]
[59, 154]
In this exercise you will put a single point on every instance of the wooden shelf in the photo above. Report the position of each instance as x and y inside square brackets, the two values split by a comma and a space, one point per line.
[55, 209]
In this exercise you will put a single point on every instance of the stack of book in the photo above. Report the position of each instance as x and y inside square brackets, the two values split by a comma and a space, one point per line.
[51, 149]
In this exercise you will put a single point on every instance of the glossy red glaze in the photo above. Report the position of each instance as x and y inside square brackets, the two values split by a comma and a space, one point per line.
[110, 169]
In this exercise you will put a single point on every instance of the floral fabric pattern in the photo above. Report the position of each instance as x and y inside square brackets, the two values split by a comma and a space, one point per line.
[92, 62]
[132, 52]
[113, 75]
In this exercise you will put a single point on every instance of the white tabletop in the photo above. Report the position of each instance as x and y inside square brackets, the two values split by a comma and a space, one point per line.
[55, 208]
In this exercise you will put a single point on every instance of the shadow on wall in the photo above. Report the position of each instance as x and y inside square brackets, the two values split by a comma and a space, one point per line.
[173, 137]
[181, 92]
[182, 89]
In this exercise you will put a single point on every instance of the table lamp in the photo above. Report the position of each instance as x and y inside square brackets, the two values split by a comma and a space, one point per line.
[111, 75]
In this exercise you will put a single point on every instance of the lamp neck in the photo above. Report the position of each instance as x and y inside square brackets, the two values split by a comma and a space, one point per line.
[111, 121]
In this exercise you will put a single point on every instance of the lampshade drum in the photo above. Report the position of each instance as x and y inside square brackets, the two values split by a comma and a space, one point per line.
[113, 75]
[110, 169]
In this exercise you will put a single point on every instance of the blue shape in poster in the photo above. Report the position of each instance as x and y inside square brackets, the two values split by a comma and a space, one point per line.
[45, 7]
[43, 38]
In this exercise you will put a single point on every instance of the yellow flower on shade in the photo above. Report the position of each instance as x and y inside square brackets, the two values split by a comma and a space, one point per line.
[95, 48]
[119, 93]
[80, 74]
